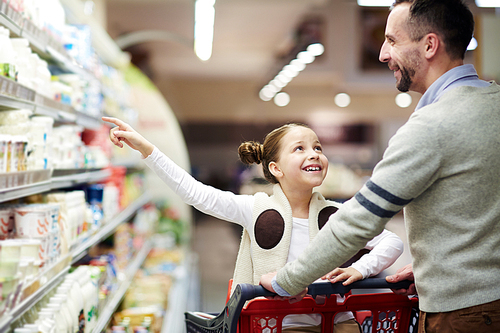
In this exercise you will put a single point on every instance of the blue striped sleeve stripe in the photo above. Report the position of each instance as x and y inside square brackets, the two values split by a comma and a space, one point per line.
[373, 208]
[391, 198]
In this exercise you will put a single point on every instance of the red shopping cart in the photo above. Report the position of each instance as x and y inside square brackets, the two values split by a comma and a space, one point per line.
[376, 312]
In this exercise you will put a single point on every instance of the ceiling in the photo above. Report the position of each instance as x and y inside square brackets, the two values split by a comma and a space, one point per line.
[250, 36]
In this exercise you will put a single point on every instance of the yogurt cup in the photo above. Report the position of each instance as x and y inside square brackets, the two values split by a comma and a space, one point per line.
[10, 255]
[6, 222]
[31, 221]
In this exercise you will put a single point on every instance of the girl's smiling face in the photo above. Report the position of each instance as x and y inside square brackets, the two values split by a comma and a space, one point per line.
[301, 163]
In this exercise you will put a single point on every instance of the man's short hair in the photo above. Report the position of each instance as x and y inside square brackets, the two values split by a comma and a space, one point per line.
[449, 19]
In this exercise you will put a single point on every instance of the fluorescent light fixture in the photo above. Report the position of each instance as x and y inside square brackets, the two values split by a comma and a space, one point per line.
[488, 3]
[376, 3]
[204, 19]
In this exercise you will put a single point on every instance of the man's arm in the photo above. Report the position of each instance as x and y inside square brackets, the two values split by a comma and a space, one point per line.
[410, 165]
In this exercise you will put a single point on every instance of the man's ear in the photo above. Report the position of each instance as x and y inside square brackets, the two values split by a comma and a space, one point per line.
[432, 45]
[275, 169]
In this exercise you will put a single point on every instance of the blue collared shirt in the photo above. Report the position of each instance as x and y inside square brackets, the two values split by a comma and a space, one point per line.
[464, 75]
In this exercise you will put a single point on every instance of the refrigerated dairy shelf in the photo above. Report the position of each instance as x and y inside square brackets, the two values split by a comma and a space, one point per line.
[109, 227]
[15, 96]
[56, 273]
[40, 41]
[46, 182]
[112, 304]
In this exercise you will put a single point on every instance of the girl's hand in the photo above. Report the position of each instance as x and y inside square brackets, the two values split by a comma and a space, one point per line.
[348, 274]
[124, 132]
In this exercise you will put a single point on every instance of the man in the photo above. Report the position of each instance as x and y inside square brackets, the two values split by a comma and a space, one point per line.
[442, 166]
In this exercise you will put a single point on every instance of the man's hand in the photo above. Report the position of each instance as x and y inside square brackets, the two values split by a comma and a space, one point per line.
[266, 282]
[404, 273]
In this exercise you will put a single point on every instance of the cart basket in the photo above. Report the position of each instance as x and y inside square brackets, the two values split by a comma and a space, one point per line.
[380, 312]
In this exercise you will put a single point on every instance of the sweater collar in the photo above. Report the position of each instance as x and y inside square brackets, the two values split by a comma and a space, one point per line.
[457, 76]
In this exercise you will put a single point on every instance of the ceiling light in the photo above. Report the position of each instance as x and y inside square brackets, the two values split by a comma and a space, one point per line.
[290, 71]
[297, 64]
[488, 3]
[283, 78]
[277, 83]
[306, 48]
[266, 94]
[316, 49]
[375, 3]
[342, 100]
[403, 100]
[273, 88]
[305, 57]
[282, 99]
[204, 19]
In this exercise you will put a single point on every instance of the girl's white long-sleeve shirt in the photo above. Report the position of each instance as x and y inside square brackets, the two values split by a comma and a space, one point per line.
[225, 205]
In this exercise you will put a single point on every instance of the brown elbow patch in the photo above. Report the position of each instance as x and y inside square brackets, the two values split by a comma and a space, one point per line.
[269, 229]
[325, 214]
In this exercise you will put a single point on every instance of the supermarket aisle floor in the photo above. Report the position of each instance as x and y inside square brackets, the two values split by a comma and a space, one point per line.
[216, 243]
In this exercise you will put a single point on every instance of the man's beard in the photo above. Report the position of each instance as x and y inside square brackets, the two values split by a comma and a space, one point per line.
[406, 79]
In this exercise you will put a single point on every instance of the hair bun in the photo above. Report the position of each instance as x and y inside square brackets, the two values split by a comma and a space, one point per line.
[251, 152]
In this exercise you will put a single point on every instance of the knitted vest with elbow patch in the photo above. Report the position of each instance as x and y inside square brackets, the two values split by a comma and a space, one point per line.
[264, 247]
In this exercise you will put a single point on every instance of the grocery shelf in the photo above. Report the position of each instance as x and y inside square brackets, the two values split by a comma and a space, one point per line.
[8, 193]
[80, 251]
[56, 272]
[104, 45]
[89, 176]
[183, 295]
[40, 41]
[49, 282]
[9, 18]
[126, 279]
[16, 96]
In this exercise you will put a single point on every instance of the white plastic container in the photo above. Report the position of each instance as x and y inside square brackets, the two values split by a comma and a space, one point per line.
[4, 146]
[13, 117]
[66, 308]
[44, 77]
[25, 68]
[7, 55]
[10, 255]
[62, 320]
[71, 287]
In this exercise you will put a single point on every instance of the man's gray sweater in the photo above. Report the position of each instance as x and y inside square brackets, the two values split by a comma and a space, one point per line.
[444, 166]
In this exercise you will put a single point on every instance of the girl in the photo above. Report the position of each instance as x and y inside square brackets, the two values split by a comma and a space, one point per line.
[278, 227]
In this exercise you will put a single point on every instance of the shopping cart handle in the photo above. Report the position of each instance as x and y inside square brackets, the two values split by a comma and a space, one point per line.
[328, 288]
[227, 320]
